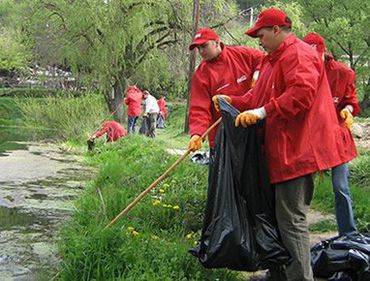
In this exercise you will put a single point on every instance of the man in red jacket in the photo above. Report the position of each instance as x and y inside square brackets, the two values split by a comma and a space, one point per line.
[342, 84]
[133, 102]
[301, 129]
[113, 131]
[224, 68]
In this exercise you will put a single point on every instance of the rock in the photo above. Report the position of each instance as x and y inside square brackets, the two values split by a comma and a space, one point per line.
[357, 130]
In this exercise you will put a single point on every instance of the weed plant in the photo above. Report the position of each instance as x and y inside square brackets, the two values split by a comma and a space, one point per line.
[64, 116]
[152, 241]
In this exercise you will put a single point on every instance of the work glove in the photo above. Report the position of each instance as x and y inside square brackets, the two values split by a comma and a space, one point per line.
[250, 117]
[195, 143]
[347, 116]
[215, 100]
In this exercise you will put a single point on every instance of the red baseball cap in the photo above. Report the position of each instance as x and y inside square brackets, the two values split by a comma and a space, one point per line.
[316, 41]
[269, 17]
[202, 36]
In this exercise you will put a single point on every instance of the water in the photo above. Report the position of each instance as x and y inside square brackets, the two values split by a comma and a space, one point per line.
[38, 184]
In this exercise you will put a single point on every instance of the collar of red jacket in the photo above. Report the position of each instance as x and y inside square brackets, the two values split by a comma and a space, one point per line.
[275, 55]
[219, 57]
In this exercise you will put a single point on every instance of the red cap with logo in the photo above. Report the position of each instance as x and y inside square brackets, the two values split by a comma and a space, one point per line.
[267, 18]
[202, 36]
[316, 41]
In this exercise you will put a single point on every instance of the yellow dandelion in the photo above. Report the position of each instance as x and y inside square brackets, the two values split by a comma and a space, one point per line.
[189, 235]
[161, 191]
[135, 233]
[176, 207]
[166, 185]
[130, 229]
[156, 202]
[155, 237]
[164, 205]
[195, 243]
[169, 206]
[173, 181]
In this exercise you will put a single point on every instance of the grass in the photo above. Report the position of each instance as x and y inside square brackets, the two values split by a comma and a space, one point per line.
[151, 242]
[157, 250]
[66, 116]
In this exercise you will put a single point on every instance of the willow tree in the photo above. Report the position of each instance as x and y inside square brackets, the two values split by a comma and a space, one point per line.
[105, 41]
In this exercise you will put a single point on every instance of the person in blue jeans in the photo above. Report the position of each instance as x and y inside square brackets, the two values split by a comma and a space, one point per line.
[341, 80]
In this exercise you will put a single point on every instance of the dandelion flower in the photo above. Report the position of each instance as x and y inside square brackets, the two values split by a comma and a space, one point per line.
[173, 181]
[164, 205]
[135, 233]
[189, 235]
[130, 229]
[166, 185]
[176, 207]
[155, 237]
[156, 202]
[161, 191]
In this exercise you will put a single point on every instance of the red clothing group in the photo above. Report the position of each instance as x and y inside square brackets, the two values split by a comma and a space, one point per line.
[230, 73]
[133, 101]
[114, 131]
[302, 134]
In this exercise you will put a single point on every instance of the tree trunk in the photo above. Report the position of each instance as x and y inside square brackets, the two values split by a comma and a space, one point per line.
[114, 99]
[196, 8]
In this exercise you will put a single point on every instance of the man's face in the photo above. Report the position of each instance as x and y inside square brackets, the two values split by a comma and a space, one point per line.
[268, 38]
[209, 50]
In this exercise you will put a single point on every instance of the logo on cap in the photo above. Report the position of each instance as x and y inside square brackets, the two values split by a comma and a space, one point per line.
[197, 35]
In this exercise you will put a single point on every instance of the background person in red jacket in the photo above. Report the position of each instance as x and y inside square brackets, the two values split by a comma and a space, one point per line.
[228, 69]
[342, 84]
[162, 112]
[133, 102]
[301, 130]
[113, 131]
[162, 106]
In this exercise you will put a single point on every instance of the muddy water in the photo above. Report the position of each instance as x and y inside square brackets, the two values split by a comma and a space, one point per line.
[38, 183]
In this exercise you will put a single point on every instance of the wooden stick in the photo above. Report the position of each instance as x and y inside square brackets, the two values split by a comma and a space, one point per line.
[150, 187]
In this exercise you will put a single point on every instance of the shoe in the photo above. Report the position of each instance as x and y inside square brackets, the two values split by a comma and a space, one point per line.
[263, 277]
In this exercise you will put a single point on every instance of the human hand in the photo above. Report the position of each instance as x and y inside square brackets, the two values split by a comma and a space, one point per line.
[250, 117]
[347, 116]
[195, 143]
[215, 100]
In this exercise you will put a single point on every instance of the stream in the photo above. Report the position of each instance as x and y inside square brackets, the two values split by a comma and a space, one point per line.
[38, 185]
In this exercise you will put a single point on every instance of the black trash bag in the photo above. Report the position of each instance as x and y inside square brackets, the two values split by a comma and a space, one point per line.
[201, 158]
[239, 230]
[342, 257]
[160, 122]
[144, 126]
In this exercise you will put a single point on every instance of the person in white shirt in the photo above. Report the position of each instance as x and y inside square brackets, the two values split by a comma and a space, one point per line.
[151, 113]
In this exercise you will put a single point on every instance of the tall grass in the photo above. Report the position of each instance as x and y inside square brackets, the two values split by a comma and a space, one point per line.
[66, 116]
[152, 240]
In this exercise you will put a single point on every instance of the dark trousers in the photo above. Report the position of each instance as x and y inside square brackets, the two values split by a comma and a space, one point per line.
[151, 124]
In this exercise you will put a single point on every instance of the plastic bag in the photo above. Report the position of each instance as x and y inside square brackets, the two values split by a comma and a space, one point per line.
[239, 230]
[342, 258]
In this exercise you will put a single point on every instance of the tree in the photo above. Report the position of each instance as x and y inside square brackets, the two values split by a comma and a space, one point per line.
[345, 27]
[14, 52]
[105, 41]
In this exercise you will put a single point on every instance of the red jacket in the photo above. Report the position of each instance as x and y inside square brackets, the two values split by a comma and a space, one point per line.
[162, 107]
[114, 131]
[229, 73]
[133, 101]
[302, 133]
[342, 85]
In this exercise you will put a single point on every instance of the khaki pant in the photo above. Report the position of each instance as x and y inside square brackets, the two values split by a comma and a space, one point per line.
[293, 198]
